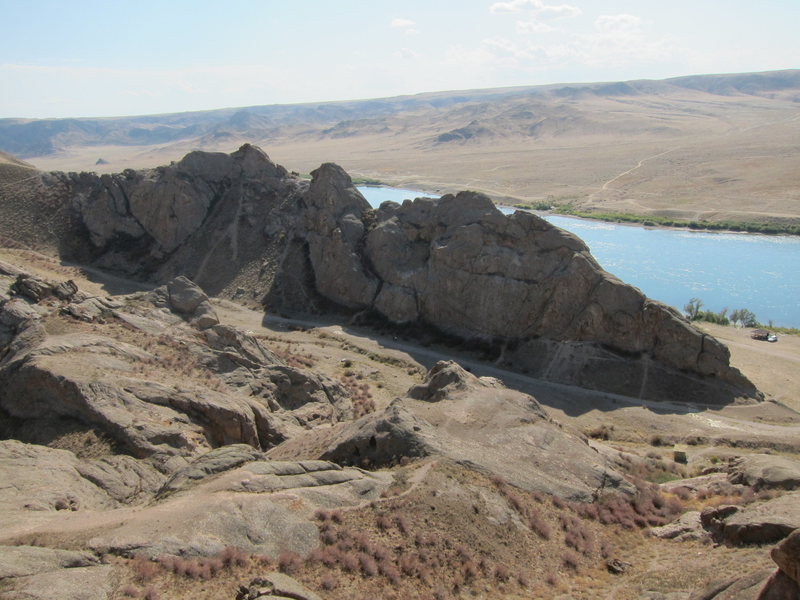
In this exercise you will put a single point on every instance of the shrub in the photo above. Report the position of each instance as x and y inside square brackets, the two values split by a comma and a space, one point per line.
[570, 560]
[368, 565]
[130, 591]
[144, 569]
[151, 594]
[383, 522]
[232, 557]
[349, 562]
[289, 562]
[539, 526]
[502, 573]
[328, 582]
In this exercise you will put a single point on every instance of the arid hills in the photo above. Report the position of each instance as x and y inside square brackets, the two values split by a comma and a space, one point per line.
[220, 379]
[713, 147]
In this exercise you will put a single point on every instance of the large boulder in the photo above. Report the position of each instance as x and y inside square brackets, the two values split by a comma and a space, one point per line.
[787, 556]
[765, 471]
[481, 424]
[762, 523]
[22, 561]
[454, 265]
[457, 265]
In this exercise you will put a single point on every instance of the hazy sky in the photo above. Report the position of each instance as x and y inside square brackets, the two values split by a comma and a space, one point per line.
[69, 58]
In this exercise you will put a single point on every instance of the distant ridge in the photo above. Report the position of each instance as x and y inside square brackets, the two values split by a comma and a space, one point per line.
[43, 137]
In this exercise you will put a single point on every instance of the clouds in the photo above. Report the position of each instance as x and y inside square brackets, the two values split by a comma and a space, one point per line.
[540, 15]
[559, 35]
[405, 25]
[537, 8]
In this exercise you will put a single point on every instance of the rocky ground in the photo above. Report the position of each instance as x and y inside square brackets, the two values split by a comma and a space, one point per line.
[438, 401]
[161, 444]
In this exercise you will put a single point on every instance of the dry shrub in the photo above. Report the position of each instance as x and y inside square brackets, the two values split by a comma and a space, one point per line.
[151, 594]
[539, 526]
[130, 591]
[502, 573]
[289, 562]
[388, 569]
[368, 565]
[349, 562]
[328, 582]
[570, 560]
[144, 569]
[383, 522]
[402, 524]
[232, 556]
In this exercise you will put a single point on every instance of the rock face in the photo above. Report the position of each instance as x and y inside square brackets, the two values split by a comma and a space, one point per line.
[783, 584]
[758, 524]
[455, 265]
[479, 423]
[458, 265]
[242, 392]
[766, 471]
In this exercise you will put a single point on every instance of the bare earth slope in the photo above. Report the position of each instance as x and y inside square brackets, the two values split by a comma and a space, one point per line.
[706, 147]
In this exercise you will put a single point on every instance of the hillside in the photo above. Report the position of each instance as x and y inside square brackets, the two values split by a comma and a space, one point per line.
[426, 400]
[714, 147]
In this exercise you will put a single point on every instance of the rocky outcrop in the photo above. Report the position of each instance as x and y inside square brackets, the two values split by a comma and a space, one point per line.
[185, 298]
[787, 556]
[239, 224]
[765, 471]
[763, 523]
[460, 266]
[481, 424]
[276, 586]
[783, 584]
[22, 561]
[237, 392]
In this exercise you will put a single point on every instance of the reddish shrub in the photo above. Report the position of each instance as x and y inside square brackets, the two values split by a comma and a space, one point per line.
[470, 570]
[232, 556]
[539, 526]
[383, 522]
[328, 582]
[151, 594]
[348, 562]
[570, 560]
[328, 537]
[402, 524]
[368, 565]
[130, 591]
[289, 562]
[409, 564]
[144, 569]
[322, 515]
[502, 573]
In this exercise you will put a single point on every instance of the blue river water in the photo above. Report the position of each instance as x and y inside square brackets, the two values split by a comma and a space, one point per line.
[733, 270]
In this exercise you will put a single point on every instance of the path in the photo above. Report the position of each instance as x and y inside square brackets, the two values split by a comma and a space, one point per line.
[638, 165]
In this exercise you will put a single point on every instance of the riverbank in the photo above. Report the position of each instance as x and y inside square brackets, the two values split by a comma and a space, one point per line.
[770, 228]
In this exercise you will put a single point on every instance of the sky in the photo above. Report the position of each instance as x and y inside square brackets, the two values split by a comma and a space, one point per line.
[85, 58]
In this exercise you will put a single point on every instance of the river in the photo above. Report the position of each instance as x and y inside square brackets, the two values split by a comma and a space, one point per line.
[733, 270]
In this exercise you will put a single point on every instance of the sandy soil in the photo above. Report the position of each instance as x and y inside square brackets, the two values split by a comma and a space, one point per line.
[688, 156]
[773, 367]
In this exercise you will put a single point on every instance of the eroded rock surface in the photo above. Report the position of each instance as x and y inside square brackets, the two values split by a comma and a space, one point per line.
[480, 423]
[762, 523]
[240, 224]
